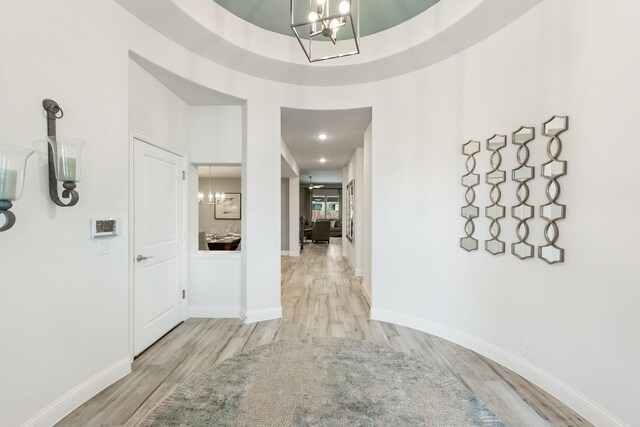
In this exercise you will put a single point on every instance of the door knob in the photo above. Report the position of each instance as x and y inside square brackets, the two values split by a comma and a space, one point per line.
[141, 258]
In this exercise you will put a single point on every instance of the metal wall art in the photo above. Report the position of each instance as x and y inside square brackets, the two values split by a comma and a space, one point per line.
[552, 170]
[522, 174]
[470, 180]
[494, 178]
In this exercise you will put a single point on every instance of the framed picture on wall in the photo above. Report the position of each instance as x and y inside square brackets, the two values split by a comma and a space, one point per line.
[351, 204]
[229, 208]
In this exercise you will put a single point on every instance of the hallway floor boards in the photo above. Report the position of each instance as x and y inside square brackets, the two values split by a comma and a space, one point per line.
[320, 297]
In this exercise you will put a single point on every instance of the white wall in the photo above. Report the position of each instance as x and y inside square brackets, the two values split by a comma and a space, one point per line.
[261, 187]
[576, 57]
[214, 285]
[355, 171]
[155, 111]
[573, 57]
[367, 213]
[284, 214]
[294, 216]
[215, 134]
[291, 171]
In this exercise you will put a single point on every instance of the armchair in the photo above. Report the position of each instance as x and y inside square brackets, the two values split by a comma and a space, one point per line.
[321, 231]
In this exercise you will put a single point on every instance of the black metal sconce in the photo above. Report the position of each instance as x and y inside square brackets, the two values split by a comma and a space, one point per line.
[13, 163]
[64, 158]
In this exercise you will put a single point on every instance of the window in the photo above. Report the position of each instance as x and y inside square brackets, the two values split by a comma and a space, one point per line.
[325, 207]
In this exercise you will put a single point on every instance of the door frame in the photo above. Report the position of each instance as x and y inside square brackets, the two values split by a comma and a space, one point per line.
[133, 135]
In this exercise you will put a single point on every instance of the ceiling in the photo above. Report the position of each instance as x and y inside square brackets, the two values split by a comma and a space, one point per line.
[207, 29]
[321, 176]
[375, 15]
[345, 132]
[191, 93]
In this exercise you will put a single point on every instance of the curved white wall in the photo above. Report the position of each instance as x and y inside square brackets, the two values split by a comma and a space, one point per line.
[64, 325]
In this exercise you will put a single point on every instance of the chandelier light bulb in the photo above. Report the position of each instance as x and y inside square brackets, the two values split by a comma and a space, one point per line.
[201, 196]
[210, 197]
[321, 2]
[344, 7]
[322, 136]
[313, 17]
[334, 24]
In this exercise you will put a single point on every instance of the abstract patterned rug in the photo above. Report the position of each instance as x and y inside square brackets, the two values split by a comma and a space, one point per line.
[322, 382]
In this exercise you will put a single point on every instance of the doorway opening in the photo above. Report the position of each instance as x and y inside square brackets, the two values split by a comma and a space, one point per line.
[331, 150]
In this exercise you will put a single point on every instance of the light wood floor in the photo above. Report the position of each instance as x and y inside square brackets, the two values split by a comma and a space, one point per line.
[320, 297]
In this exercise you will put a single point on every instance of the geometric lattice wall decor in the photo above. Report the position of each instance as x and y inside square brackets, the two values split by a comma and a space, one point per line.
[523, 211]
[552, 170]
[494, 178]
[470, 180]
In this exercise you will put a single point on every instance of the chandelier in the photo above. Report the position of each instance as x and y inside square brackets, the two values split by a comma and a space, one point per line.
[326, 29]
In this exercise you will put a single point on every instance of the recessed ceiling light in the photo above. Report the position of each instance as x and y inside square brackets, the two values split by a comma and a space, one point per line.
[322, 136]
[323, 160]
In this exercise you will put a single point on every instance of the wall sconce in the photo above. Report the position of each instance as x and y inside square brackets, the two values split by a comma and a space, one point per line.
[64, 158]
[13, 162]
[200, 197]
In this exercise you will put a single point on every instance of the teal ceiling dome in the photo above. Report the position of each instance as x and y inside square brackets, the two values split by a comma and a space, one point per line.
[375, 15]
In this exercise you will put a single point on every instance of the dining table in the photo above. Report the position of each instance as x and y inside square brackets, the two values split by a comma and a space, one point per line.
[223, 243]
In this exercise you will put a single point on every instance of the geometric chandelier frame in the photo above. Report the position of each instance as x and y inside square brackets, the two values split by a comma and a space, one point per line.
[320, 28]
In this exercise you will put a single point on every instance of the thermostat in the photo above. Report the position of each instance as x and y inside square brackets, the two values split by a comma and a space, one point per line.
[104, 227]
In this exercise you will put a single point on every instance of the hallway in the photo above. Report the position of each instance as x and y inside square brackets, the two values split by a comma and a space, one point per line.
[320, 297]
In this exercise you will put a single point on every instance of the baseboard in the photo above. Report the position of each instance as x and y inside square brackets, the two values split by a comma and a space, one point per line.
[215, 312]
[254, 316]
[294, 253]
[366, 293]
[75, 397]
[571, 397]
[356, 271]
[284, 253]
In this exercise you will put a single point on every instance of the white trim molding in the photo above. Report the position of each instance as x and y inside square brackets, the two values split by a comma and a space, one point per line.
[366, 293]
[294, 253]
[215, 312]
[284, 253]
[552, 385]
[255, 316]
[356, 271]
[78, 395]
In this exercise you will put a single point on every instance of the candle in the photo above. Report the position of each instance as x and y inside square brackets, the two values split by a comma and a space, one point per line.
[8, 184]
[67, 169]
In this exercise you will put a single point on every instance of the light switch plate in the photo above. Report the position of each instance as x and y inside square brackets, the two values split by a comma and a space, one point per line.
[103, 247]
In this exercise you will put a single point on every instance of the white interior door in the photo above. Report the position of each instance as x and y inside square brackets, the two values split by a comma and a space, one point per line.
[159, 243]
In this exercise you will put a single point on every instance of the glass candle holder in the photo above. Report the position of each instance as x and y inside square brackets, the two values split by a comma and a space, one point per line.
[13, 163]
[67, 154]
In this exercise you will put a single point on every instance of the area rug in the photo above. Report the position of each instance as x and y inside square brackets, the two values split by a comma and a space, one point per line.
[322, 382]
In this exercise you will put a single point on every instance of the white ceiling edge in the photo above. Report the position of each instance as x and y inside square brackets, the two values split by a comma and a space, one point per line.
[286, 171]
[209, 30]
[220, 172]
[321, 176]
[191, 93]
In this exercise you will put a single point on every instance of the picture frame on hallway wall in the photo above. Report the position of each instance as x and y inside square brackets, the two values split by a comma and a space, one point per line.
[351, 202]
[229, 208]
